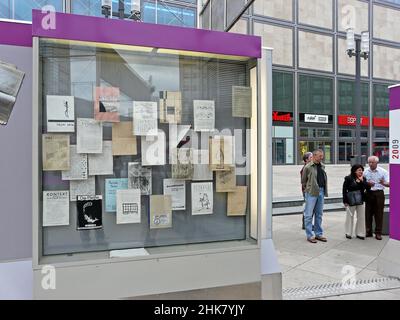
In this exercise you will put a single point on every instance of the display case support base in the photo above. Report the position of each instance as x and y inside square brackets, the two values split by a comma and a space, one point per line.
[389, 259]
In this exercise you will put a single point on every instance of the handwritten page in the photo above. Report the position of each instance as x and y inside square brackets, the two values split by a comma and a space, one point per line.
[145, 118]
[204, 115]
[237, 202]
[226, 180]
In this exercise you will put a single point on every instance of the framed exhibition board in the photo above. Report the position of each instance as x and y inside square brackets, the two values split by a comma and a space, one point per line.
[146, 137]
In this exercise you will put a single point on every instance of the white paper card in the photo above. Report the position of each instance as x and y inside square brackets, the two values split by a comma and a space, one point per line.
[202, 198]
[78, 166]
[177, 190]
[128, 253]
[204, 115]
[128, 206]
[55, 208]
[89, 136]
[82, 188]
[60, 114]
[144, 118]
[102, 163]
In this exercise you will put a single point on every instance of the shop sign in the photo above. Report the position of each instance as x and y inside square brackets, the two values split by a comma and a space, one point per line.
[281, 116]
[381, 122]
[316, 118]
[348, 120]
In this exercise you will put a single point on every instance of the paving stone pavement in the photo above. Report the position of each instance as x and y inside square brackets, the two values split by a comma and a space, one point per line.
[286, 180]
[306, 264]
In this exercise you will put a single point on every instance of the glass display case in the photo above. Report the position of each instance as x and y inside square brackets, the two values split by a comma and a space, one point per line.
[143, 151]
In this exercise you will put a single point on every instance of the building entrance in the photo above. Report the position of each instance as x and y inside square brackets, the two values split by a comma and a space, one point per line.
[348, 149]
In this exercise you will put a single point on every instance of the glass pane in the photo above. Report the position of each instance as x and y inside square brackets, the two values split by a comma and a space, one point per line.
[381, 150]
[162, 13]
[282, 96]
[381, 101]
[346, 98]
[206, 17]
[22, 10]
[217, 15]
[6, 9]
[87, 7]
[134, 76]
[315, 95]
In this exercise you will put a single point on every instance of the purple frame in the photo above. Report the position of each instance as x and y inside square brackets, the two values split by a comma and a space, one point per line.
[15, 34]
[115, 31]
[394, 104]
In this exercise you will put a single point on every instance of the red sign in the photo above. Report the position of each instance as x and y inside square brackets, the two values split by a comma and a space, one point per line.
[381, 122]
[282, 117]
[348, 120]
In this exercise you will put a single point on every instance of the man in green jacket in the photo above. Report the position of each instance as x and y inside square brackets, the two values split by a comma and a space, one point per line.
[315, 184]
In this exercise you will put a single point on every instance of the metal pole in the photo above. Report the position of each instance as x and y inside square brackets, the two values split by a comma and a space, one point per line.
[357, 92]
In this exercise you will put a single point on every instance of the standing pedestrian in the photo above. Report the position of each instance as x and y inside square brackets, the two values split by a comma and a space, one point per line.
[354, 188]
[377, 178]
[307, 157]
[315, 182]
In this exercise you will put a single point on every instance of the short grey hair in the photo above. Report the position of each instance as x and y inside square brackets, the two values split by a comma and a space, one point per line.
[373, 158]
[315, 152]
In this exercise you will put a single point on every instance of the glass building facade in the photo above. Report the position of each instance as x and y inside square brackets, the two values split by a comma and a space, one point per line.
[314, 78]
[175, 12]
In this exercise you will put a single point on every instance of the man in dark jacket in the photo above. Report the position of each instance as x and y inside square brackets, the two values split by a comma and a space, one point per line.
[307, 158]
[315, 182]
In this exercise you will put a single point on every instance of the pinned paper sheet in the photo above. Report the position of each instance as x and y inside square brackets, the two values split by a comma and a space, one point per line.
[129, 253]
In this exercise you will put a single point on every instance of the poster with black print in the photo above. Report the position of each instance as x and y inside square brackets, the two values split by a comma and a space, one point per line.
[89, 212]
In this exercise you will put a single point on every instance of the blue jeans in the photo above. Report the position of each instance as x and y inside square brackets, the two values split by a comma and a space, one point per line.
[316, 205]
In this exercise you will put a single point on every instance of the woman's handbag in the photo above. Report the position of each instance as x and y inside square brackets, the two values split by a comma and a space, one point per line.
[355, 198]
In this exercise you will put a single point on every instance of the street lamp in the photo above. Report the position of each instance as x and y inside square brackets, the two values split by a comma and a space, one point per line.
[358, 48]
[106, 6]
[135, 10]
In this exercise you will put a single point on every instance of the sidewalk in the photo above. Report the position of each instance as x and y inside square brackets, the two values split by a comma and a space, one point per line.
[305, 264]
[286, 180]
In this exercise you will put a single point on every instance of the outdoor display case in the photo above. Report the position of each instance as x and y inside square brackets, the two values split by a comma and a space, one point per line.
[149, 158]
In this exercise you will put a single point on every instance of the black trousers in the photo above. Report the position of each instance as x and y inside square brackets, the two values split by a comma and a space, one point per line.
[374, 206]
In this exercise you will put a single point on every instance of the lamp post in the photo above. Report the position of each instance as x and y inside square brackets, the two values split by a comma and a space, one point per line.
[358, 48]
[135, 10]
[106, 6]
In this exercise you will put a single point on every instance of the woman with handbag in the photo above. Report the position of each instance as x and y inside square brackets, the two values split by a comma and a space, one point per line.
[354, 188]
